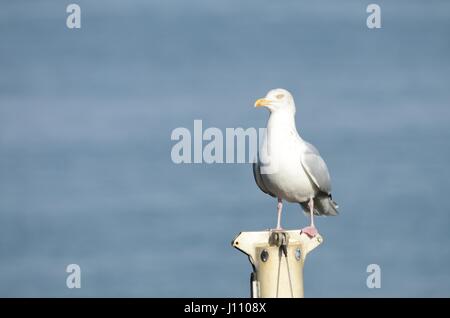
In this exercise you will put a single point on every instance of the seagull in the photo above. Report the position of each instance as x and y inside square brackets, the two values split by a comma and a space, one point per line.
[289, 168]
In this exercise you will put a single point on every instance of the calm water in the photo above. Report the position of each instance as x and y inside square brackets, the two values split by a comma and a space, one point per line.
[85, 123]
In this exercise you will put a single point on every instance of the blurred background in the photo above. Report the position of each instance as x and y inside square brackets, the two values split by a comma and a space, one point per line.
[86, 116]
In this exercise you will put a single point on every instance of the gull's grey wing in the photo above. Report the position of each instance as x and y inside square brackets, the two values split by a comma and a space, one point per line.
[316, 168]
[258, 179]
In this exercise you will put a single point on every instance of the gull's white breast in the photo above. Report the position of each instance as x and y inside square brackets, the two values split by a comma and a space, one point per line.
[285, 177]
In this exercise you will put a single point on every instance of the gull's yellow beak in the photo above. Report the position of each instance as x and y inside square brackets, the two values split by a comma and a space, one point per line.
[262, 102]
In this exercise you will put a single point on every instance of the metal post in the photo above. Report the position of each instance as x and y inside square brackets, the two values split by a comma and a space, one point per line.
[277, 258]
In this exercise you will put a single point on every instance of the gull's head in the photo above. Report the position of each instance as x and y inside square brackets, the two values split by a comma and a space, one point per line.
[276, 100]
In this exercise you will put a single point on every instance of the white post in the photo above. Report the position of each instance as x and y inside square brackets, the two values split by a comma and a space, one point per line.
[277, 258]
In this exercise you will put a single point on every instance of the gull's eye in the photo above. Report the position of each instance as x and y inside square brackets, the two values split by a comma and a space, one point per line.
[279, 96]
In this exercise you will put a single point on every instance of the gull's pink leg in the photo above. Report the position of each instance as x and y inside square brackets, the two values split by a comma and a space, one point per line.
[279, 207]
[311, 230]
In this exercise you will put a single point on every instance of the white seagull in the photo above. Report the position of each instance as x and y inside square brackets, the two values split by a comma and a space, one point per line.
[289, 168]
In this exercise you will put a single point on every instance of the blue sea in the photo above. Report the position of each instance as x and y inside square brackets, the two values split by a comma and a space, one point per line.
[86, 116]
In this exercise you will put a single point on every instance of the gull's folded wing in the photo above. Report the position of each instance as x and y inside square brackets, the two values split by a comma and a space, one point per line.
[316, 169]
[258, 179]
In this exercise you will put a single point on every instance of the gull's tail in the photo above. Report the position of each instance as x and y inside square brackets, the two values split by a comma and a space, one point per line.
[323, 205]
